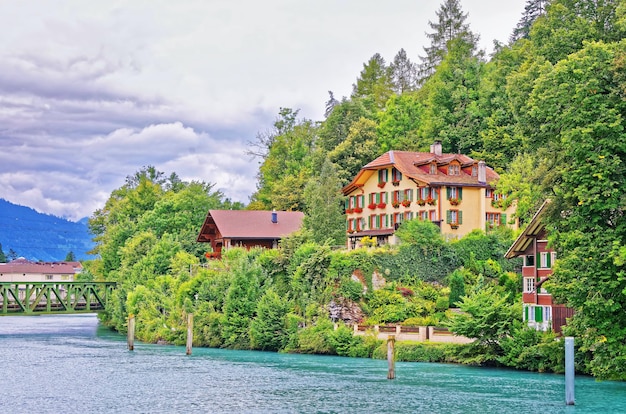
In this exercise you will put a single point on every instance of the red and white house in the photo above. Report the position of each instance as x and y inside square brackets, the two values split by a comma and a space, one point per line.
[540, 310]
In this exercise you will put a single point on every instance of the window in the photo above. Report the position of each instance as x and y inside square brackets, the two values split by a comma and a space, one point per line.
[396, 176]
[423, 215]
[497, 197]
[408, 215]
[433, 168]
[360, 200]
[529, 260]
[488, 193]
[493, 219]
[360, 224]
[454, 217]
[454, 169]
[529, 284]
[383, 175]
[454, 193]
[397, 196]
[49, 277]
[474, 170]
[433, 215]
[383, 221]
[545, 260]
[408, 194]
[374, 222]
[397, 218]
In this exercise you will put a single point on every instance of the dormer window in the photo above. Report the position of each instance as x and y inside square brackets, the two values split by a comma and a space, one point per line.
[474, 170]
[433, 168]
[454, 169]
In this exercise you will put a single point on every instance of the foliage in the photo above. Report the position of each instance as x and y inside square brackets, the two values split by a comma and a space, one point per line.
[487, 316]
[324, 203]
[533, 350]
[268, 330]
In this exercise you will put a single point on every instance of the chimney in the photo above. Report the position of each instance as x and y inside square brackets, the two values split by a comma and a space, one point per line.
[435, 148]
[274, 217]
[482, 172]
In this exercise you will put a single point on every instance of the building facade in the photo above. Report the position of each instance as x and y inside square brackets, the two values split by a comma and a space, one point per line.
[540, 311]
[453, 191]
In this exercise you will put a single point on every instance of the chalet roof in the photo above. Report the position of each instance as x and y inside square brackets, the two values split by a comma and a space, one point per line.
[416, 166]
[22, 266]
[249, 224]
[534, 228]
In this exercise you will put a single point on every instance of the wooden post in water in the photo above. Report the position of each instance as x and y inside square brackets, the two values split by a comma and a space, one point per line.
[131, 332]
[391, 357]
[569, 370]
[189, 333]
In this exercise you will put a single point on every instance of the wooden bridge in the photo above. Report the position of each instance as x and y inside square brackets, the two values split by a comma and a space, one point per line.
[36, 298]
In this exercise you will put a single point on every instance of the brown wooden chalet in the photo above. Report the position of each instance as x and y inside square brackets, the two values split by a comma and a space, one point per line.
[247, 228]
[540, 310]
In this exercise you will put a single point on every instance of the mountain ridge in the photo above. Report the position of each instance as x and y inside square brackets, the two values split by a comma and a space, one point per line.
[42, 237]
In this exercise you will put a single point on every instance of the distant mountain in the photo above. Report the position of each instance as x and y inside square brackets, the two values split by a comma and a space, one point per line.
[44, 237]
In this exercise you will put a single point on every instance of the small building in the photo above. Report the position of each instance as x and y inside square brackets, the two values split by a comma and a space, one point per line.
[540, 310]
[453, 191]
[23, 270]
[224, 229]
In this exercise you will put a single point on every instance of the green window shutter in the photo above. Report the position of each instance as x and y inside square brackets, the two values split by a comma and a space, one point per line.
[460, 193]
[502, 218]
[362, 201]
[548, 260]
[538, 314]
[460, 213]
[385, 197]
[377, 198]
[448, 216]
[346, 202]
[386, 220]
[525, 313]
[447, 192]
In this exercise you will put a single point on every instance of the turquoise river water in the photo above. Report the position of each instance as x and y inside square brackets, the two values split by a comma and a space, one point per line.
[69, 364]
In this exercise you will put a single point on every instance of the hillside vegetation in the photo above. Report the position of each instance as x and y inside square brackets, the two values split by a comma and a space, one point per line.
[546, 111]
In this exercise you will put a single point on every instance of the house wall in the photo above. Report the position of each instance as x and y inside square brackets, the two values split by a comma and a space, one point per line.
[35, 277]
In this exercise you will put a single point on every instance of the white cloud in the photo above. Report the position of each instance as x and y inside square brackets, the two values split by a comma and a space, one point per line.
[90, 92]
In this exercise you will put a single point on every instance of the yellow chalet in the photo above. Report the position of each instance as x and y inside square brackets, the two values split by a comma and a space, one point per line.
[452, 190]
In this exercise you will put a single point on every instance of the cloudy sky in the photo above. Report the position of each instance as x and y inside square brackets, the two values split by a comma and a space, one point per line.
[92, 91]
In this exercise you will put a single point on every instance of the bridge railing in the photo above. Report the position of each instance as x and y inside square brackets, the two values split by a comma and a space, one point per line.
[54, 297]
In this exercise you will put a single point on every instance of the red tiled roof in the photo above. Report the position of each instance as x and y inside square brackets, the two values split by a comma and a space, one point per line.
[415, 165]
[25, 266]
[251, 224]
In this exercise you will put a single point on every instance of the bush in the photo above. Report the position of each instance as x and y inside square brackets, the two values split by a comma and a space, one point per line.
[315, 339]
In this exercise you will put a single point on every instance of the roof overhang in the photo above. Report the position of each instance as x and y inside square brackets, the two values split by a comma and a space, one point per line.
[531, 231]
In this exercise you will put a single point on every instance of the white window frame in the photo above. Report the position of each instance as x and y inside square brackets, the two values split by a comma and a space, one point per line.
[529, 284]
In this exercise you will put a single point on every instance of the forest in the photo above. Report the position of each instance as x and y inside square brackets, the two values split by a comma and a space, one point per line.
[546, 111]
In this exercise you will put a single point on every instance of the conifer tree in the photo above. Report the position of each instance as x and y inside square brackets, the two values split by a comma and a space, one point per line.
[532, 10]
[403, 73]
[449, 26]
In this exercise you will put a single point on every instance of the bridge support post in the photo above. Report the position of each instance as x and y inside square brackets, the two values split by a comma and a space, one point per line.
[131, 332]
[189, 333]
[391, 357]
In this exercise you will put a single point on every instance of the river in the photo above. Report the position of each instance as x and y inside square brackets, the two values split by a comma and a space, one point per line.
[69, 363]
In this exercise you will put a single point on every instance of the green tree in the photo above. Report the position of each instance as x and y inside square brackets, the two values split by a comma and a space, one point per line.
[70, 257]
[582, 104]
[450, 25]
[488, 317]
[268, 330]
[324, 219]
[240, 303]
[374, 84]
[287, 166]
[359, 148]
[399, 122]
[532, 11]
[403, 73]
[3, 258]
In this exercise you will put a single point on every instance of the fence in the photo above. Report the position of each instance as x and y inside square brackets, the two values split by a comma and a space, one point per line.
[412, 333]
